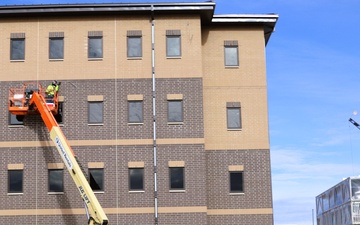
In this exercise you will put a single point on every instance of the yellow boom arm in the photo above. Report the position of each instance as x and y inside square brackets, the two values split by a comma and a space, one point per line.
[95, 210]
[97, 214]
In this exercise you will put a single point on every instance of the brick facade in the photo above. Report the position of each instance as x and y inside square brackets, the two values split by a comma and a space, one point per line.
[201, 142]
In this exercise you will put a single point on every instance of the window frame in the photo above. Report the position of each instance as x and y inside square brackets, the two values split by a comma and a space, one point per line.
[12, 121]
[134, 35]
[90, 113]
[17, 54]
[173, 35]
[171, 178]
[229, 45]
[56, 36]
[131, 181]
[92, 48]
[231, 190]
[9, 181]
[102, 184]
[59, 117]
[62, 181]
[130, 102]
[171, 112]
[230, 106]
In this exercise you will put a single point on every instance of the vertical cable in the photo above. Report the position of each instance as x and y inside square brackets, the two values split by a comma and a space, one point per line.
[154, 112]
[116, 122]
[36, 126]
[351, 151]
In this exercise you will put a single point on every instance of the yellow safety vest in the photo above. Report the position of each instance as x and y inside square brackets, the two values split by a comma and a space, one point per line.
[50, 90]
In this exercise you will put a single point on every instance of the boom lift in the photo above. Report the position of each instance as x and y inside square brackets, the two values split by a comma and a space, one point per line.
[31, 99]
[355, 123]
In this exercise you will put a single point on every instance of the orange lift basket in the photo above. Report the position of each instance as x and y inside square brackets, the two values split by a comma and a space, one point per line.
[19, 99]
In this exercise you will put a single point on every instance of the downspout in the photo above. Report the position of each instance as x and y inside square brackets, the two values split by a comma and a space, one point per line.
[154, 113]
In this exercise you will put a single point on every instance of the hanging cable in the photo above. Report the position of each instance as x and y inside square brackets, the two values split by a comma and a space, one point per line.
[36, 126]
[351, 151]
[116, 124]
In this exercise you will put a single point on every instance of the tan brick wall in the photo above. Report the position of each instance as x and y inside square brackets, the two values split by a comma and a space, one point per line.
[18, 70]
[115, 63]
[245, 84]
[254, 132]
[133, 68]
[76, 64]
[251, 71]
[190, 64]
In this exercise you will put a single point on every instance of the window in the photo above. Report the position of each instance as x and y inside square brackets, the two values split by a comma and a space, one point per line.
[96, 112]
[134, 44]
[135, 109]
[17, 46]
[56, 180]
[136, 112]
[175, 111]
[177, 178]
[236, 175]
[15, 120]
[173, 43]
[15, 178]
[236, 182]
[96, 179]
[96, 109]
[175, 108]
[233, 115]
[136, 179]
[231, 53]
[95, 45]
[56, 45]
[59, 117]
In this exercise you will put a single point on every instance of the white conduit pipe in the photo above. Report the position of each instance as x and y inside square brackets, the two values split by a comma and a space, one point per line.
[154, 112]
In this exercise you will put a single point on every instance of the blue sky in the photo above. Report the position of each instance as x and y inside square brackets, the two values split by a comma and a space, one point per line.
[313, 75]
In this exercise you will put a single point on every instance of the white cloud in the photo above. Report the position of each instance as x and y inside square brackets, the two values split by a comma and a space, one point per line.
[298, 176]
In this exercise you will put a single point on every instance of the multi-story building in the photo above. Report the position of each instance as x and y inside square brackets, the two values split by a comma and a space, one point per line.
[340, 204]
[164, 104]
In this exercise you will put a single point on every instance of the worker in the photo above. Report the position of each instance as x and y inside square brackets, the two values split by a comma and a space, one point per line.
[52, 89]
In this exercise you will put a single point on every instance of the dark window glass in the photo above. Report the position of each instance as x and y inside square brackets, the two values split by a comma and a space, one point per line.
[177, 178]
[175, 111]
[56, 48]
[95, 47]
[56, 180]
[233, 118]
[96, 177]
[173, 48]
[231, 56]
[96, 112]
[17, 49]
[59, 117]
[135, 111]
[15, 120]
[136, 179]
[134, 46]
[15, 181]
[236, 182]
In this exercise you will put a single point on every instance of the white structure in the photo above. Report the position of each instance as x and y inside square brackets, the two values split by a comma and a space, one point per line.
[340, 205]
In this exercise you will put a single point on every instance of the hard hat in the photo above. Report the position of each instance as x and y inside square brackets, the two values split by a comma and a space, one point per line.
[54, 82]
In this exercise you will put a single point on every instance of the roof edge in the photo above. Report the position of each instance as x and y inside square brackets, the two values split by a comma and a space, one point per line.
[268, 21]
[205, 9]
[111, 7]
